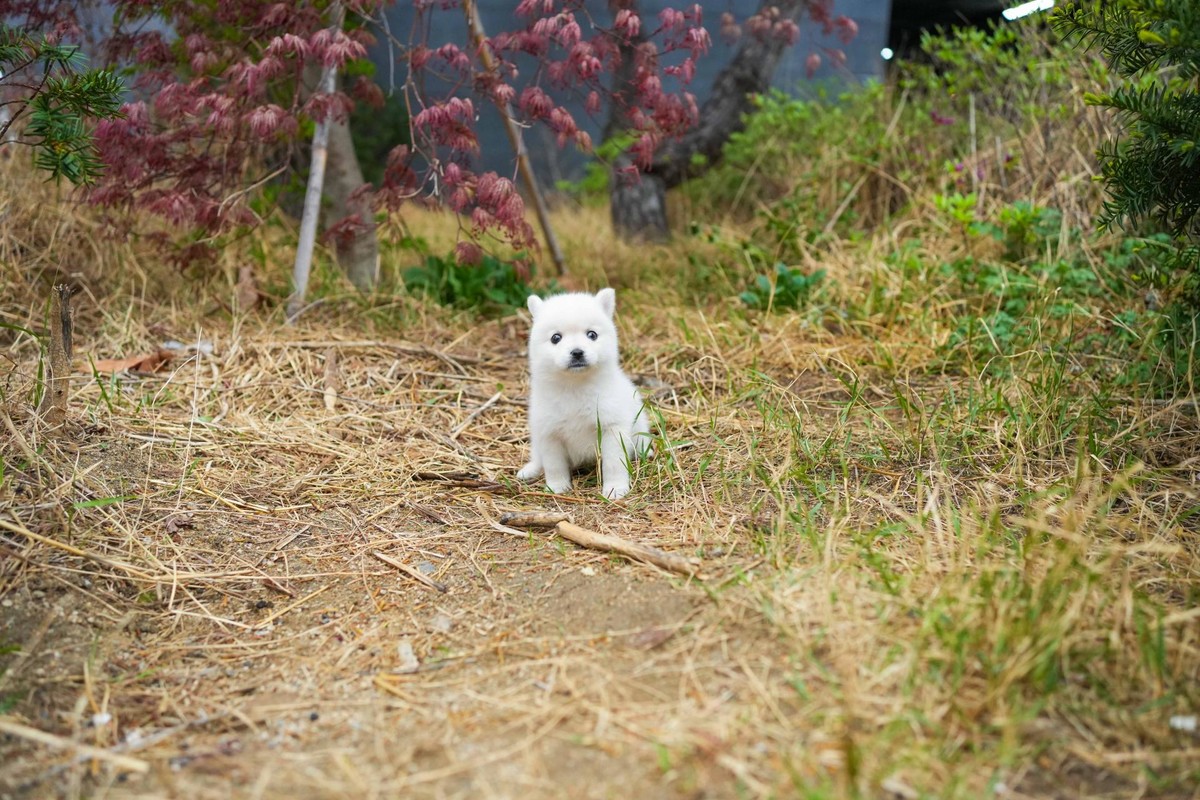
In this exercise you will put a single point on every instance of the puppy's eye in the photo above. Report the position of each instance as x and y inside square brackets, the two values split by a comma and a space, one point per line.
[593, 335]
[556, 338]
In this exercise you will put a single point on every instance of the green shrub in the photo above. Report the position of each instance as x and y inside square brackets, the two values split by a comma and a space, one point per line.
[49, 93]
[790, 289]
[493, 286]
[971, 114]
[1037, 295]
[1151, 172]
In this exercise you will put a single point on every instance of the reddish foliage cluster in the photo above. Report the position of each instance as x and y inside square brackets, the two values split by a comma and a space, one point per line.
[573, 56]
[209, 105]
[218, 91]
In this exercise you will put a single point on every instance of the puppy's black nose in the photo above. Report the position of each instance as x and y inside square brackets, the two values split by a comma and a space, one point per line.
[577, 354]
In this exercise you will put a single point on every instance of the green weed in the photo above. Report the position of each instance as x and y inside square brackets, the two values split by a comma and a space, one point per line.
[492, 286]
[788, 288]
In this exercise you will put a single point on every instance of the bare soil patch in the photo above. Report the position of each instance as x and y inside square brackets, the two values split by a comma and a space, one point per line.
[230, 626]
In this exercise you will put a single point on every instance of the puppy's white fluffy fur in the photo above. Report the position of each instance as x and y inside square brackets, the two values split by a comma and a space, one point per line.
[579, 396]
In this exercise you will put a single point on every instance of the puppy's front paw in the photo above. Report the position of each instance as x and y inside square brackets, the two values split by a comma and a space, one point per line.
[615, 491]
[529, 472]
[559, 487]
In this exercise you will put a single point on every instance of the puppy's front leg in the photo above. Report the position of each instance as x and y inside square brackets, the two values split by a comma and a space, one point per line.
[614, 463]
[533, 470]
[557, 467]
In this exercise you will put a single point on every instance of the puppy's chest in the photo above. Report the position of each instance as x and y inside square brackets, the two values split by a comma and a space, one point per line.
[577, 407]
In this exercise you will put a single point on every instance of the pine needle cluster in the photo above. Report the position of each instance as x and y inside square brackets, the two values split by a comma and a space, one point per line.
[1155, 44]
[48, 100]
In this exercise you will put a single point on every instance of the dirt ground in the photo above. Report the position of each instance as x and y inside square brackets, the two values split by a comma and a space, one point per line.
[231, 625]
[278, 571]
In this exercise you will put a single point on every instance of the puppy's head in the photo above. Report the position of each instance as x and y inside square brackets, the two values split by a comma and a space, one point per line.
[572, 333]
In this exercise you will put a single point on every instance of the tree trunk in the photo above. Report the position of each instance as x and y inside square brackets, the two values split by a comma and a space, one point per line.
[638, 206]
[356, 245]
[638, 203]
[312, 201]
[358, 250]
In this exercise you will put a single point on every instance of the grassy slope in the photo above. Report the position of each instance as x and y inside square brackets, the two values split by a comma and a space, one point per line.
[942, 558]
[918, 582]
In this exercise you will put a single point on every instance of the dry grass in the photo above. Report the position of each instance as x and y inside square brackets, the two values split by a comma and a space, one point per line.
[916, 583]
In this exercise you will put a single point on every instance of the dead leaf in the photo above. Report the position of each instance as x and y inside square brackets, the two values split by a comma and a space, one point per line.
[246, 293]
[650, 638]
[173, 522]
[147, 362]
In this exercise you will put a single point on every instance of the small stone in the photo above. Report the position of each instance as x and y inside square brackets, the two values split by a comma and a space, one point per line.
[441, 623]
[406, 658]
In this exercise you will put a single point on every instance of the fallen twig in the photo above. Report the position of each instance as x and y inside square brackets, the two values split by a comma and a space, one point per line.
[462, 479]
[415, 574]
[615, 544]
[598, 541]
[14, 728]
[534, 519]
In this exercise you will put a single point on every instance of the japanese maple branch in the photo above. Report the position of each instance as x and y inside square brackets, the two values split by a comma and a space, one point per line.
[478, 38]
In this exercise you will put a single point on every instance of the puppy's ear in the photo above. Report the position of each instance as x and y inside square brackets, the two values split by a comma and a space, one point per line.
[608, 300]
[534, 303]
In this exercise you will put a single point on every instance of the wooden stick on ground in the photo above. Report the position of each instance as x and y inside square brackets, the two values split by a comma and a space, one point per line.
[415, 574]
[603, 541]
[53, 408]
[14, 728]
[534, 519]
[615, 544]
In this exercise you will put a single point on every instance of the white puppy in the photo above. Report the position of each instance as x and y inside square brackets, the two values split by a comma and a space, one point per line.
[579, 396]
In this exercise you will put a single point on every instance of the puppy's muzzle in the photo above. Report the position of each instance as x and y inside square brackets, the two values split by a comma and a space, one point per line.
[578, 359]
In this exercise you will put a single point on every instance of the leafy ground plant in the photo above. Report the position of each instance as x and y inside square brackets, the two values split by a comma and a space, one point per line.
[493, 284]
[788, 288]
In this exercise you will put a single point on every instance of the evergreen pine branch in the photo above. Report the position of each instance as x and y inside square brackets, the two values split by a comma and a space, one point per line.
[59, 105]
